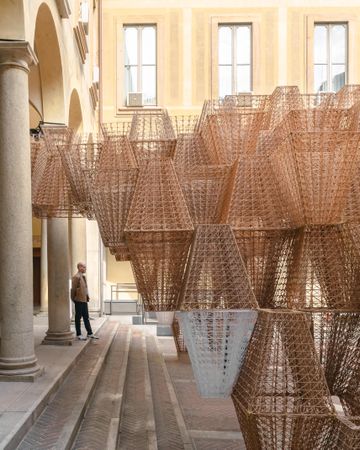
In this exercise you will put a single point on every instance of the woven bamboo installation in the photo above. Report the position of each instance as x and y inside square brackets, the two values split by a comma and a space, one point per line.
[266, 255]
[184, 124]
[152, 136]
[205, 189]
[121, 252]
[35, 145]
[216, 342]
[281, 102]
[348, 96]
[281, 397]
[190, 151]
[158, 233]
[324, 271]
[318, 168]
[215, 275]
[51, 190]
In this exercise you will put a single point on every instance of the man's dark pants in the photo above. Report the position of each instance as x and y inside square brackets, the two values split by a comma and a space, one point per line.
[81, 310]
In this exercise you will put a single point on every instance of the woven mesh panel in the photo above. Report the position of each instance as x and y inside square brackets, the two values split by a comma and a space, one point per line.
[316, 169]
[266, 255]
[190, 151]
[121, 252]
[184, 124]
[158, 260]
[347, 96]
[204, 189]
[256, 199]
[337, 342]
[282, 101]
[35, 145]
[158, 202]
[215, 274]
[216, 343]
[281, 390]
[324, 272]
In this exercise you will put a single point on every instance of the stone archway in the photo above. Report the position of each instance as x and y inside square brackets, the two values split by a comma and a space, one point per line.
[75, 113]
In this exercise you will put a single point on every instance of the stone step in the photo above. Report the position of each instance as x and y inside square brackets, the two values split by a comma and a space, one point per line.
[100, 424]
[57, 426]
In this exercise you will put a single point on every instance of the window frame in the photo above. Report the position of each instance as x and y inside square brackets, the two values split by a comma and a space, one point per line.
[159, 23]
[234, 62]
[314, 19]
[245, 19]
[329, 64]
[140, 64]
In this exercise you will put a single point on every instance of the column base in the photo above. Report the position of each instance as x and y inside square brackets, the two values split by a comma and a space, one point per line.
[52, 338]
[20, 369]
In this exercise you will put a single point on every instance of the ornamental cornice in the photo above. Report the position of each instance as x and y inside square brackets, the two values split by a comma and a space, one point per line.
[17, 53]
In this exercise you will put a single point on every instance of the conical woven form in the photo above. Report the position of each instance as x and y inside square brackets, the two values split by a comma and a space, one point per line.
[205, 189]
[215, 275]
[152, 136]
[178, 336]
[281, 397]
[216, 342]
[322, 164]
[266, 255]
[158, 203]
[111, 193]
[324, 271]
[158, 233]
[51, 191]
[78, 160]
[113, 130]
[190, 151]
[337, 342]
[257, 199]
[158, 260]
[111, 186]
[229, 133]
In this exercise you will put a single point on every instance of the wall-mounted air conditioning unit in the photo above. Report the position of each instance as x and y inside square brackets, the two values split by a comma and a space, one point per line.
[135, 99]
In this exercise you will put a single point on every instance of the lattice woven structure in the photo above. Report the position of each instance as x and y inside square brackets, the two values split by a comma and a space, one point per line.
[215, 274]
[111, 184]
[324, 272]
[257, 200]
[190, 151]
[205, 189]
[152, 136]
[266, 255]
[51, 191]
[158, 233]
[216, 342]
[281, 397]
[318, 167]
[337, 342]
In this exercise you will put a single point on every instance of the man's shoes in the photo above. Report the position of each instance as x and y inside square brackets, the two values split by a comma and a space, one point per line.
[82, 338]
[92, 336]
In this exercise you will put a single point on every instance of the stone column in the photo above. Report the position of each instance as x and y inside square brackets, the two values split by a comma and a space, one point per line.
[77, 247]
[44, 267]
[17, 357]
[59, 332]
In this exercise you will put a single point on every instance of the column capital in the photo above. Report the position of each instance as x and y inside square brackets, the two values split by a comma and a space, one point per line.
[17, 53]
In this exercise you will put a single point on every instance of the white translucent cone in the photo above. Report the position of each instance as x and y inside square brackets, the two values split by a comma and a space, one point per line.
[216, 341]
[165, 317]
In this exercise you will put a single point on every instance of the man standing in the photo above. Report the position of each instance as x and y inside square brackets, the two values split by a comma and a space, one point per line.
[80, 296]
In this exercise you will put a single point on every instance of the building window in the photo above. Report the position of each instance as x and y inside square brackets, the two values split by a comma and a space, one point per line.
[140, 63]
[235, 59]
[330, 56]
